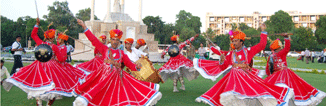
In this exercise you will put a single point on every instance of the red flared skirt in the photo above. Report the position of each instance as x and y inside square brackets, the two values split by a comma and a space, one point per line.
[304, 93]
[238, 87]
[42, 79]
[91, 65]
[175, 63]
[108, 86]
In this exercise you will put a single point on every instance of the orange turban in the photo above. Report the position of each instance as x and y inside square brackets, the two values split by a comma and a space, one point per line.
[175, 38]
[102, 37]
[276, 44]
[237, 35]
[116, 33]
[129, 40]
[49, 33]
[63, 36]
[141, 42]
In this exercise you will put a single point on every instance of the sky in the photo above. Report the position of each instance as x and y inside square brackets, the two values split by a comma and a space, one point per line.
[167, 9]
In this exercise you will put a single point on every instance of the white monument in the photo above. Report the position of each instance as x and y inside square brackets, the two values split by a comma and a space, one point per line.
[112, 20]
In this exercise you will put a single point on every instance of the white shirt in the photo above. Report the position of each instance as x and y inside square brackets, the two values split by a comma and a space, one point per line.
[4, 72]
[70, 48]
[201, 51]
[144, 49]
[109, 45]
[306, 53]
[134, 54]
[17, 45]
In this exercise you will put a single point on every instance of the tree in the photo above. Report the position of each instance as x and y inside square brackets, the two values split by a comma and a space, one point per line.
[7, 31]
[153, 23]
[186, 19]
[243, 26]
[321, 30]
[280, 22]
[186, 33]
[85, 14]
[223, 41]
[63, 20]
[209, 33]
[200, 39]
[194, 23]
[167, 33]
[251, 32]
[303, 38]
[234, 26]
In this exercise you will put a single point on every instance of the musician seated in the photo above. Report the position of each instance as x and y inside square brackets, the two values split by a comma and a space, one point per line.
[141, 45]
[132, 52]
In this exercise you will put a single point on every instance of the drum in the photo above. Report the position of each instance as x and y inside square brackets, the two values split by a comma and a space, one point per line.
[6, 85]
[147, 73]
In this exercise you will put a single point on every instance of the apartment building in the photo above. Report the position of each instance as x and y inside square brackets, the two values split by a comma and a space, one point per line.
[222, 23]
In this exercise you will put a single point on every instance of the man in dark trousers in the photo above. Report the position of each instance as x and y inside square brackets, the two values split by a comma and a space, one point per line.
[18, 49]
[69, 50]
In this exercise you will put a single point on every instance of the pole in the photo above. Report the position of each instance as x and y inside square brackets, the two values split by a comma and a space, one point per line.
[81, 42]
[36, 9]
[26, 36]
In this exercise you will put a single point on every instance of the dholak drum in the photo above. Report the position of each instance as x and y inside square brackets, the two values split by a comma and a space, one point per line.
[147, 73]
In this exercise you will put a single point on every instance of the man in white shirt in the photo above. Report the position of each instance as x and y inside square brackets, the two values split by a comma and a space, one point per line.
[3, 72]
[132, 52]
[69, 50]
[307, 55]
[302, 56]
[313, 55]
[18, 49]
[142, 46]
[201, 51]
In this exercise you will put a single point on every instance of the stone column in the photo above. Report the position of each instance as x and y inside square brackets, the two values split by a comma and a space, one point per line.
[122, 6]
[108, 14]
[140, 13]
[92, 10]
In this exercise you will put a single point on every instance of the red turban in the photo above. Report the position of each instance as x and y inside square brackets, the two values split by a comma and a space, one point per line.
[116, 33]
[141, 42]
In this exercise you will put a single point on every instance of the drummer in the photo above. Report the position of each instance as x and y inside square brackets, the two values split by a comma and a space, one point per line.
[141, 45]
[132, 52]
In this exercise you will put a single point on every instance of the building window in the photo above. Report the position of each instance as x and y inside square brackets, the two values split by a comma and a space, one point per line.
[227, 19]
[249, 25]
[218, 25]
[226, 31]
[234, 19]
[312, 18]
[211, 19]
[296, 18]
[264, 19]
[241, 19]
[304, 24]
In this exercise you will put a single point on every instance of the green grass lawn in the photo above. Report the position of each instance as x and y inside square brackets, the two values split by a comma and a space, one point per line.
[195, 88]
[294, 63]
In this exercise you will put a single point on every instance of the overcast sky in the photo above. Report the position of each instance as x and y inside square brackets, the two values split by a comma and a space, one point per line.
[167, 9]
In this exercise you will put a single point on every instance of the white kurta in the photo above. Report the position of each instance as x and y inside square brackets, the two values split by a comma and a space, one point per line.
[134, 54]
